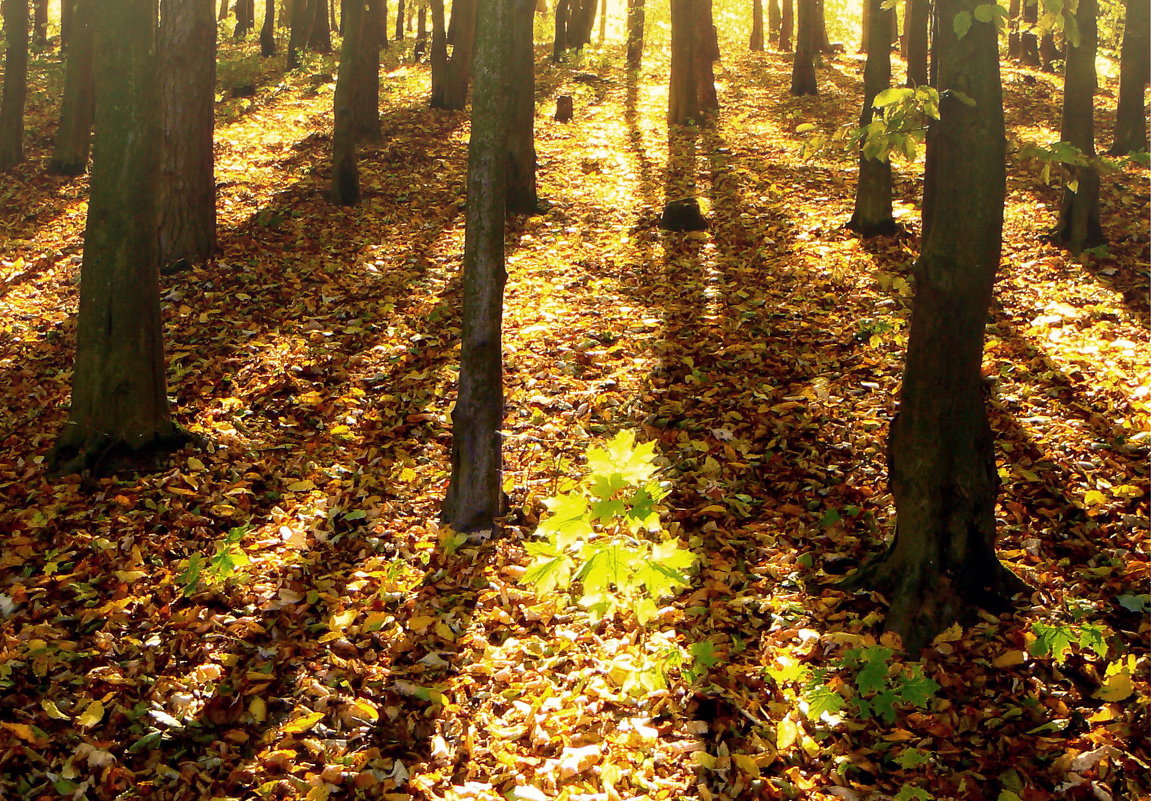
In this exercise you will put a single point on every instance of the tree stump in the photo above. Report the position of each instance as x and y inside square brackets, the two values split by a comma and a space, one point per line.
[683, 215]
[565, 108]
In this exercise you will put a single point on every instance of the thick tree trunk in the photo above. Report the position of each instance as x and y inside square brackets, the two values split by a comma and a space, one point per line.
[1014, 44]
[268, 30]
[400, 11]
[1078, 226]
[755, 43]
[1134, 74]
[74, 134]
[786, 26]
[453, 89]
[187, 187]
[522, 195]
[706, 54]
[15, 83]
[439, 54]
[683, 102]
[942, 562]
[560, 41]
[635, 25]
[300, 22]
[473, 499]
[581, 22]
[803, 80]
[367, 100]
[39, 24]
[1028, 41]
[345, 189]
[1048, 53]
[119, 399]
[773, 21]
[320, 32]
[223, 10]
[916, 26]
[66, 7]
[245, 18]
[822, 40]
[872, 216]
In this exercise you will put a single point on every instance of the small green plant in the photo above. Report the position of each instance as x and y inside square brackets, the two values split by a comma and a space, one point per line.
[217, 568]
[606, 536]
[1061, 639]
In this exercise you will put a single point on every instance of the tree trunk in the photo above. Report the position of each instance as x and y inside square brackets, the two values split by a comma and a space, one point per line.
[873, 215]
[755, 44]
[400, 11]
[439, 54]
[187, 188]
[320, 32]
[1134, 74]
[473, 499]
[15, 83]
[119, 397]
[683, 102]
[581, 22]
[522, 195]
[773, 21]
[1028, 41]
[74, 134]
[268, 30]
[1048, 53]
[1078, 226]
[245, 18]
[916, 25]
[223, 10]
[66, 7]
[560, 39]
[367, 100]
[942, 562]
[786, 26]
[822, 40]
[345, 188]
[380, 17]
[865, 28]
[300, 22]
[803, 80]
[39, 24]
[706, 54]
[453, 89]
[1014, 44]
[635, 24]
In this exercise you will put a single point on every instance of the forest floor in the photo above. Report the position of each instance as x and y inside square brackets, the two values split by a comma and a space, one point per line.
[277, 614]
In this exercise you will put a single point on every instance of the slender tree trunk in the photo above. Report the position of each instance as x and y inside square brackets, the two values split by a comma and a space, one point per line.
[803, 80]
[422, 24]
[66, 7]
[1014, 44]
[1078, 226]
[473, 499]
[345, 188]
[942, 562]
[522, 195]
[865, 28]
[39, 24]
[74, 134]
[755, 44]
[320, 33]
[1028, 41]
[298, 31]
[439, 55]
[873, 215]
[400, 11]
[380, 14]
[15, 83]
[223, 10]
[635, 24]
[822, 40]
[454, 88]
[581, 22]
[268, 30]
[560, 41]
[786, 26]
[683, 102]
[1134, 74]
[245, 18]
[706, 41]
[187, 187]
[773, 20]
[1048, 53]
[916, 26]
[119, 398]
[367, 102]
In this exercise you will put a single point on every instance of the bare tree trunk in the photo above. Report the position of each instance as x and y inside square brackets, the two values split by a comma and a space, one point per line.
[345, 188]
[39, 24]
[915, 27]
[755, 43]
[453, 90]
[522, 197]
[872, 216]
[635, 24]
[268, 30]
[560, 40]
[15, 83]
[74, 134]
[773, 21]
[803, 81]
[1134, 69]
[400, 11]
[786, 26]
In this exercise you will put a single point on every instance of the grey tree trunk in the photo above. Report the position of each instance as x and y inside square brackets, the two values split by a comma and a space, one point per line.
[119, 399]
[15, 83]
[187, 188]
[872, 216]
[1078, 225]
[1134, 74]
[473, 500]
[803, 81]
[942, 562]
[74, 134]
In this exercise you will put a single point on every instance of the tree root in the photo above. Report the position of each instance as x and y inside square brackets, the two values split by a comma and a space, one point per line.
[98, 454]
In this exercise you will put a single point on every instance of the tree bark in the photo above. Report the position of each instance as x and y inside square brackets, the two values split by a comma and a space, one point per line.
[367, 101]
[451, 92]
[187, 188]
[773, 21]
[942, 562]
[474, 494]
[119, 398]
[635, 25]
[822, 40]
[345, 189]
[1134, 74]
[683, 102]
[1078, 225]
[300, 22]
[786, 26]
[803, 80]
[39, 24]
[522, 197]
[755, 44]
[872, 216]
[1014, 44]
[1028, 41]
[439, 54]
[15, 83]
[916, 26]
[706, 54]
[268, 30]
[245, 18]
[400, 11]
[581, 21]
[74, 134]
[320, 31]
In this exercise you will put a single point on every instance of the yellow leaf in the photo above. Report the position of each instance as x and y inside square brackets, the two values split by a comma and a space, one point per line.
[702, 759]
[302, 723]
[258, 709]
[320, 792]
[746, 764]
[1117, 687]
[445, 631]
[1009, 659]
[950, 634]
[342, 620]
[129, 576]
[52, 710]
[91, 715]
[1094, 498]
[420, 623]
[367, 708]
[375, 621]
[195, 464]
[302, 486]
[22, 730]
[786, 733]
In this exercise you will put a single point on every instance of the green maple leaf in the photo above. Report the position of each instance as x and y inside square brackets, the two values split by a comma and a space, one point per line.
[872, 676]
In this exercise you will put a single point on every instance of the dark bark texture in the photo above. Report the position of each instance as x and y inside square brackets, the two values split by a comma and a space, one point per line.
[635, 25]
[15, 83]
[119, 400]
[872, 215]
[694, 49]
[916, 25]
[474, 495]
[268, 30]
[74, 134]
[450, 86]
[942, 562]
[786, 25]
[1078, 225]
[773, 21]
[1134, 74]
[803, 80]
[345, 189]
[187, 189]
[522, 195]
[755, 43]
